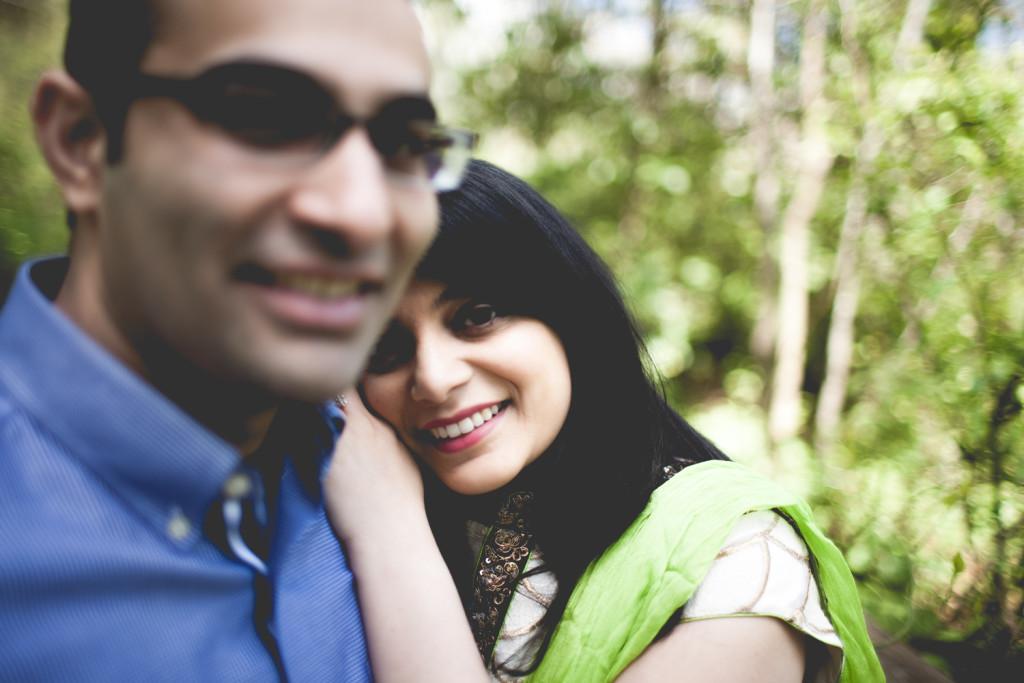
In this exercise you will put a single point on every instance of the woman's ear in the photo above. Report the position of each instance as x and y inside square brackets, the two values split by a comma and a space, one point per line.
[71, 138]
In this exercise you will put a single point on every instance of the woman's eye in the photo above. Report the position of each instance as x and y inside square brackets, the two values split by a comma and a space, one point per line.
[473, 316]
[393, 351]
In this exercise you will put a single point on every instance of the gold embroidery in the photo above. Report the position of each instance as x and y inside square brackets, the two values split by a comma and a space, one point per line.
[533, 593]
[506, 549]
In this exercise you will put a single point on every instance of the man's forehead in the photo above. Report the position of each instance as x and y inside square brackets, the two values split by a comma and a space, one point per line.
[366, 50]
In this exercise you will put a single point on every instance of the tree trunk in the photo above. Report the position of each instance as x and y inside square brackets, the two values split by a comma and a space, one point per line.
[839, 351]
[784, 417]
[761, 68]
[911, 31]
[846, 281]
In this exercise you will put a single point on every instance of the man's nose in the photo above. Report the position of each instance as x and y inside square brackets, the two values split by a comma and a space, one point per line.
[345, 195]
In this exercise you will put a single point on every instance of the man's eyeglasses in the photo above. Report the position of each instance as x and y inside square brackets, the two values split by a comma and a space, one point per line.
[289, 114]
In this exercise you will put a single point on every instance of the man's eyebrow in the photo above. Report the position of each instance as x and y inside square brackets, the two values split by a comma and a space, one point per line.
[407, 108]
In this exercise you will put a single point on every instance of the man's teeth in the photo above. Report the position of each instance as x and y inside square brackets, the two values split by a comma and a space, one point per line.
[466, 424]
[318, 286]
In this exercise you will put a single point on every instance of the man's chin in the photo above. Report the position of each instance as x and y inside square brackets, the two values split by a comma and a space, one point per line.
[308, 372]
[307, 389]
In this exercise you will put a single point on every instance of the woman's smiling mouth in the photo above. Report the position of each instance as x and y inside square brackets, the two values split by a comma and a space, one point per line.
[467, 424]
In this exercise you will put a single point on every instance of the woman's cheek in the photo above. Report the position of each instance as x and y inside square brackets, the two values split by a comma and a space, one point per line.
[369, 386]
[382, 397]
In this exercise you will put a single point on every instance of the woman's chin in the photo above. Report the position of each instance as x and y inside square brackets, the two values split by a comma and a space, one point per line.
[474, 484]
[472, 488]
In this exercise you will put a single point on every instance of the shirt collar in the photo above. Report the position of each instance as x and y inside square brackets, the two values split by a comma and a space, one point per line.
[161, 461]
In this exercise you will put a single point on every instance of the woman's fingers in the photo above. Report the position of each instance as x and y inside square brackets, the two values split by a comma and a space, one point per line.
[373, 479]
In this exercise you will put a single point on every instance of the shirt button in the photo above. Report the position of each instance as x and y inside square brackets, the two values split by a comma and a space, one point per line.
[238, 485]
[178, 526]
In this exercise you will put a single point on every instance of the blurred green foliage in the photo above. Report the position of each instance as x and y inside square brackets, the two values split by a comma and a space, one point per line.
[31, 213]
[655, 159]
[638, 121]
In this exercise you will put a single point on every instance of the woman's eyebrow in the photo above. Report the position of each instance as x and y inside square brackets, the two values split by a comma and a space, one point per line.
[447, 296]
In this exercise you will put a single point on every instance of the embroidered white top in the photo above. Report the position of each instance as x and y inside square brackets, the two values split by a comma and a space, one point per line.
[763, 569]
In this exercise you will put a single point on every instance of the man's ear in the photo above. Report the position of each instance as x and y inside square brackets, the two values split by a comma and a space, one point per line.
[71, 138]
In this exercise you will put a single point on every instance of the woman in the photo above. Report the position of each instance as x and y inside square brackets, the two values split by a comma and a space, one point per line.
[606, 537]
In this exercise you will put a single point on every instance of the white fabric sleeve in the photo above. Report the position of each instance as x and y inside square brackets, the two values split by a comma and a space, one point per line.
[763, 569]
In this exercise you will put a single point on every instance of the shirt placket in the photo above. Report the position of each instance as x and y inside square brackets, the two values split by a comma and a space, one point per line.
[244, 509]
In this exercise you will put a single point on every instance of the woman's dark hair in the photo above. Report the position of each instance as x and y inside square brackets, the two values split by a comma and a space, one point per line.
[500, 242]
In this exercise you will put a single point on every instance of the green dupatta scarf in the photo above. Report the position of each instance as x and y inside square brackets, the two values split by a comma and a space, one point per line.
[628, 594]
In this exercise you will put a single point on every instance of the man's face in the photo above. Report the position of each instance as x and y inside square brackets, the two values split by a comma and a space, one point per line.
[273, 275]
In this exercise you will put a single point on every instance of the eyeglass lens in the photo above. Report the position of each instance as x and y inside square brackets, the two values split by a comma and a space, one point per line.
[288, 113]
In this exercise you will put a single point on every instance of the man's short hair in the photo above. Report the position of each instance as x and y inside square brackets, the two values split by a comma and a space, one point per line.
[105, 44]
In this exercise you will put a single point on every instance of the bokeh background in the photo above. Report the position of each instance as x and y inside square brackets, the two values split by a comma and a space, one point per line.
[814, 207]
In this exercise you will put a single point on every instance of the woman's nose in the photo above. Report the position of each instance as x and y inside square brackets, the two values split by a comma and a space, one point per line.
[439, 369]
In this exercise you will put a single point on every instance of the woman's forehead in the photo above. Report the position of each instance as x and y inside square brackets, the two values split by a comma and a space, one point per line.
[422, 297]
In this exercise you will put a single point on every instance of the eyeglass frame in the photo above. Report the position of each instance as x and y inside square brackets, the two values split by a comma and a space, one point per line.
[193, 93]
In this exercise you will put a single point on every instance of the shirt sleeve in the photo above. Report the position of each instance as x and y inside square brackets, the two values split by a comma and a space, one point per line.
[763, 569]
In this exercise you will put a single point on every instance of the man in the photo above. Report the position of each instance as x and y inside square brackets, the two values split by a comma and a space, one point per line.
[250, 183]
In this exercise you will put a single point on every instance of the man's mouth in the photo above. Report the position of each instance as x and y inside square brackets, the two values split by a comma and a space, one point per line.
[467, 424]
[320, 287]
[316, 286]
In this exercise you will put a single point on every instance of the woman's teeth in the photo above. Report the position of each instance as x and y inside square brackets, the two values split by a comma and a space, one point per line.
[466, 424]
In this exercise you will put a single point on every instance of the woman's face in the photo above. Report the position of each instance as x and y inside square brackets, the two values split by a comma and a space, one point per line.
[477, 394]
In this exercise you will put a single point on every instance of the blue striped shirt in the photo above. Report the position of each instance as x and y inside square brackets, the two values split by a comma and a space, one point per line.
[106, 573]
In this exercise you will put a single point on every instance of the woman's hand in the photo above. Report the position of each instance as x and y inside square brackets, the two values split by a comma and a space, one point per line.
[373, 483]
[416, 629]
